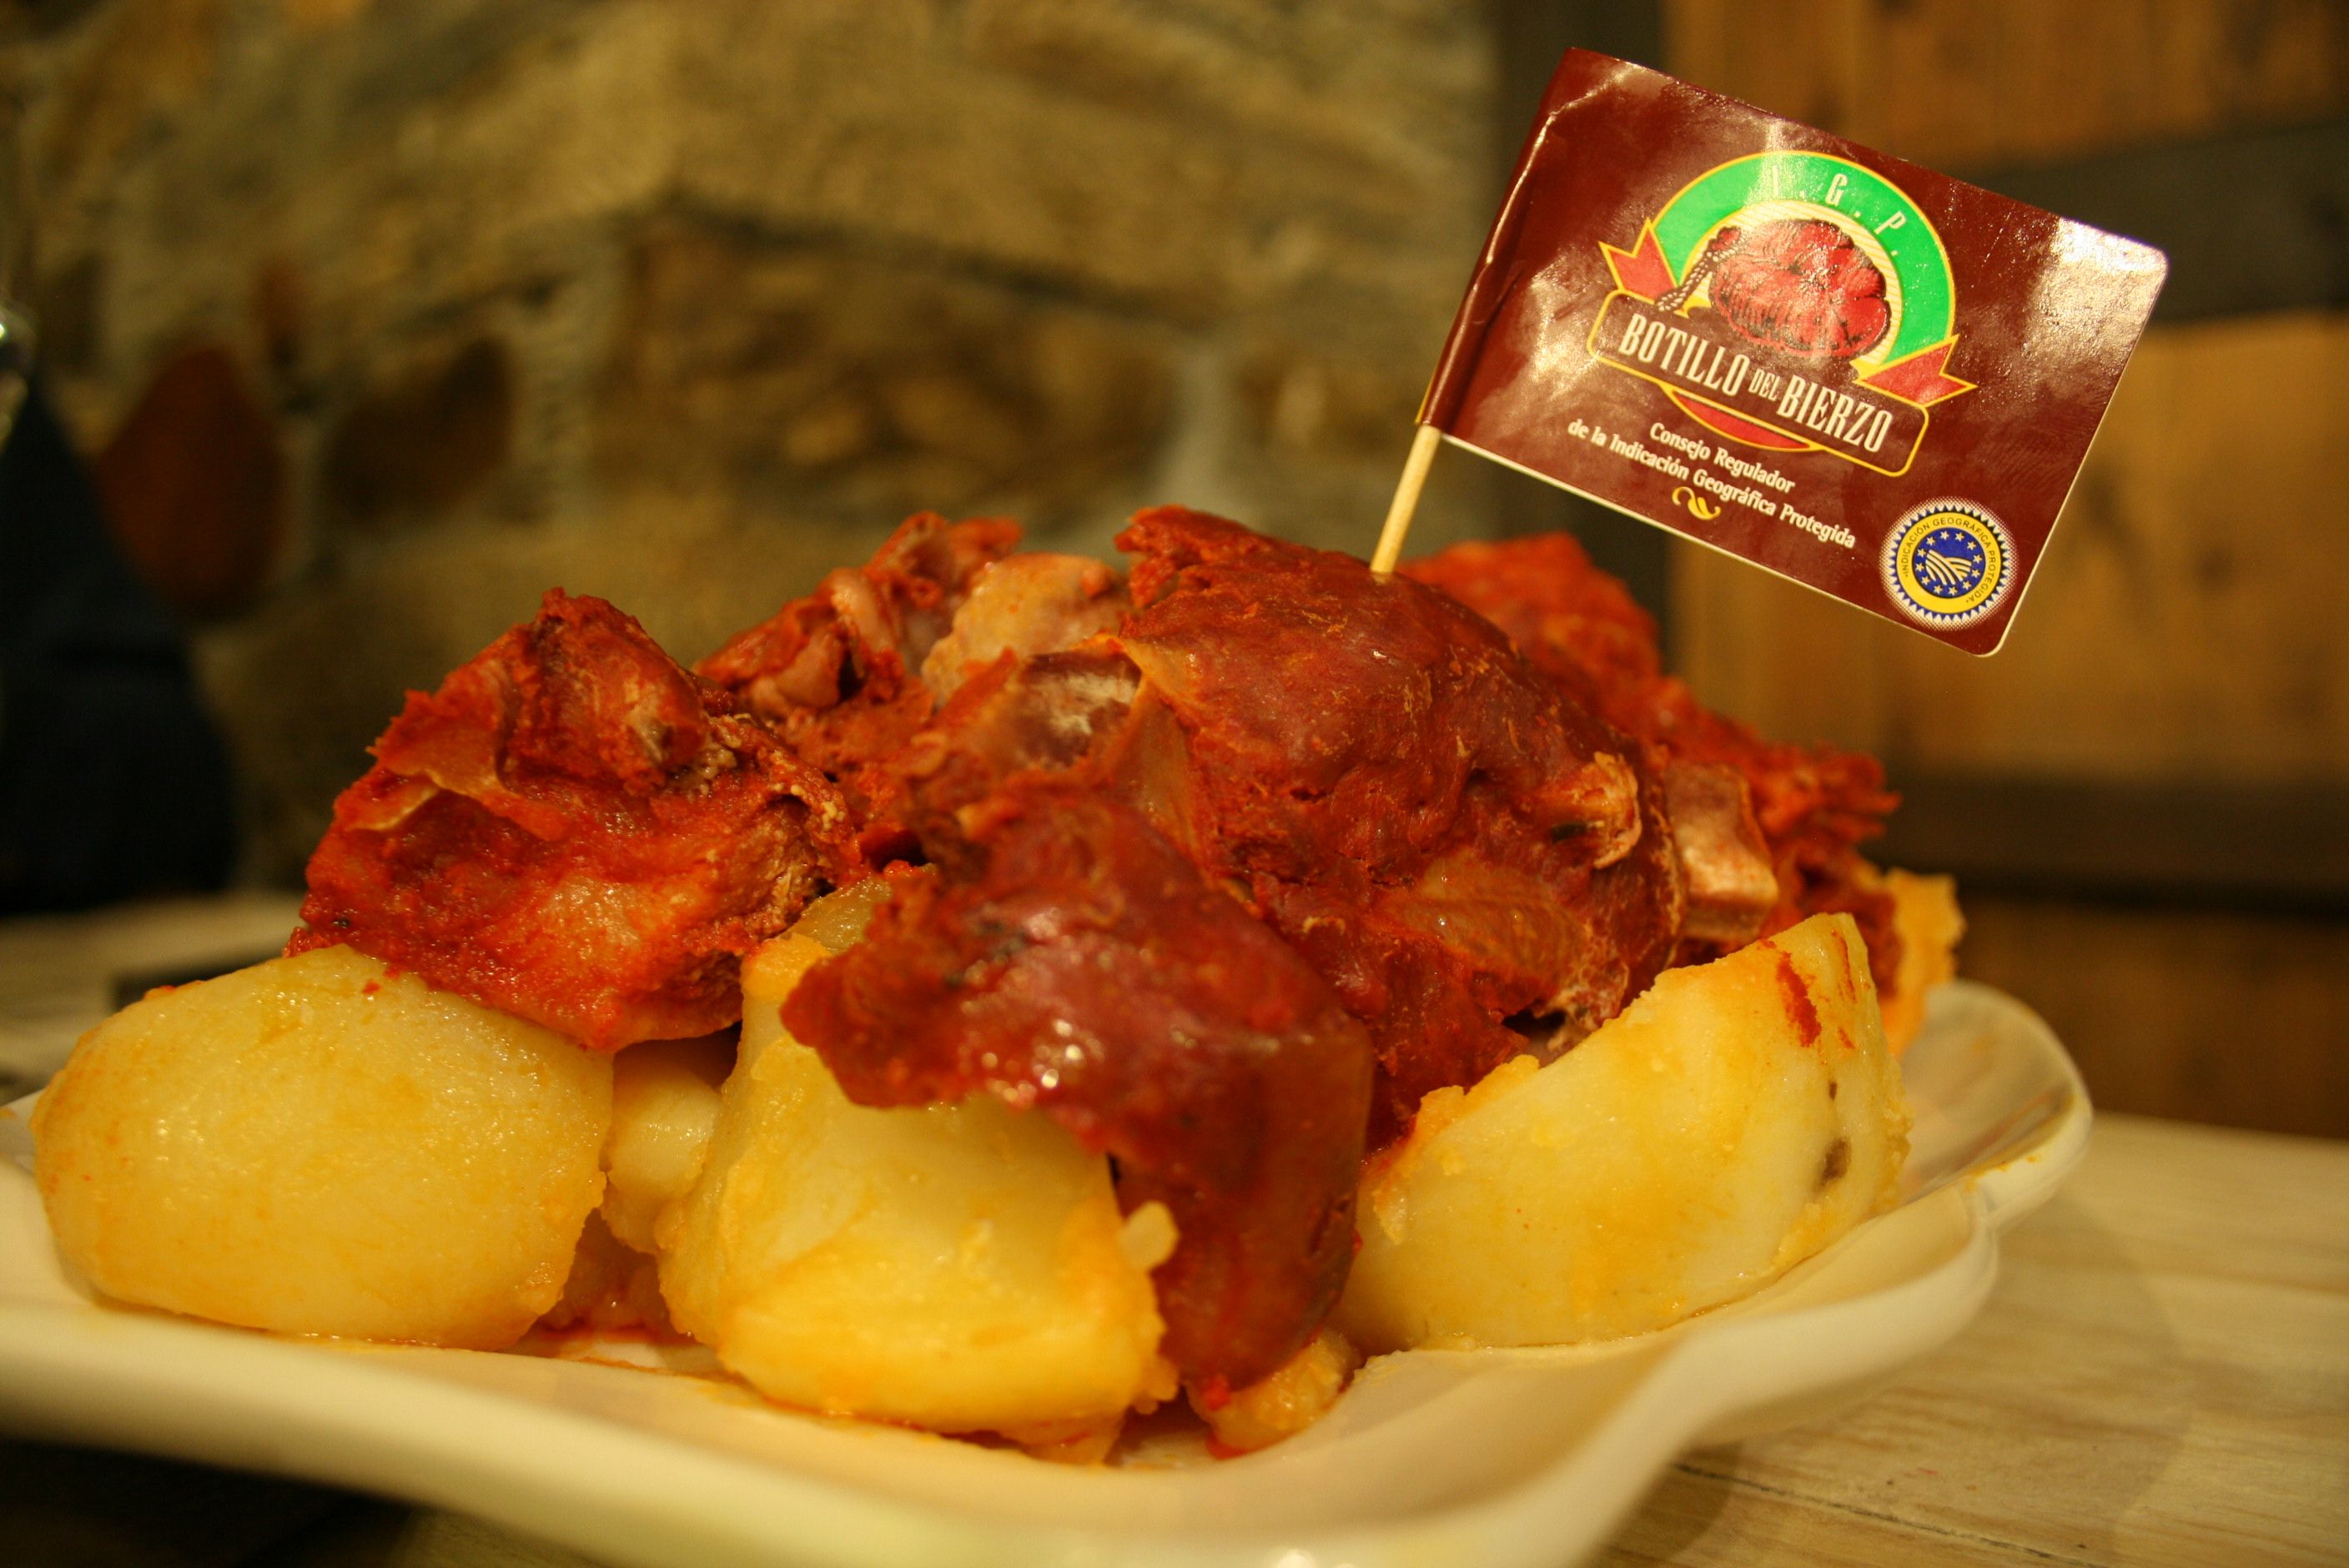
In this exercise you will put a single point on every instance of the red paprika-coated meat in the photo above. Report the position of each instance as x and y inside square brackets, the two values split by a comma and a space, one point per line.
[1455, 845]
[838, 673]
[1068, 959]
[1580, 627]
[574, 831]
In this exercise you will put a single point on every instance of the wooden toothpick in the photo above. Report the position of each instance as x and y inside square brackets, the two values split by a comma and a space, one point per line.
[1406, 498]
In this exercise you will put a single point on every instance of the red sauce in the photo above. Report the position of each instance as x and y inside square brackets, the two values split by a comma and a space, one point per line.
[1798, 999]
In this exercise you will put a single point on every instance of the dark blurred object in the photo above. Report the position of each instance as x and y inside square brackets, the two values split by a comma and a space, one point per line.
[16, 248]
[112, 781]
[16, 361]
[194, 484]
[70, 1506]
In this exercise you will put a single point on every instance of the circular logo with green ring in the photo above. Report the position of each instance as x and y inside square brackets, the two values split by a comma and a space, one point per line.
[1878, 215]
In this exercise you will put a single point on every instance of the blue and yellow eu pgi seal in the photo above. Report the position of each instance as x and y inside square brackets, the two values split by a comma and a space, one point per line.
[1948, 563]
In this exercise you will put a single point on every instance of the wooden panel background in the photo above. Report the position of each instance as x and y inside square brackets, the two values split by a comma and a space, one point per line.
[2184, 623]
[2184, 634]
[1968, 83]
[2220, 1015]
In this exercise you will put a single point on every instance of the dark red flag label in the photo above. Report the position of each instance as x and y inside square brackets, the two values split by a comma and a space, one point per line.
[1857, 373]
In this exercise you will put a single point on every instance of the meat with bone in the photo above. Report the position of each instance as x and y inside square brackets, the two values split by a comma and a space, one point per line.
[1025, 604]
[839, 672]
[1813, 805]
[574, 831]
[1469, 860]
[1446, 838]
[1066, 957]
[1473, 861]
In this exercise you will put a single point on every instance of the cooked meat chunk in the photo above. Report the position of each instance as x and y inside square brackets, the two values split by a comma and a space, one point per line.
[574, 831]
[1025, 604]
[1477, 865]
[1067, 958]
[1454, 845]
[1814, 805]
[1724, 861]
[1047, 713]
[839, 672]
[1578, 627]
[1172, 860]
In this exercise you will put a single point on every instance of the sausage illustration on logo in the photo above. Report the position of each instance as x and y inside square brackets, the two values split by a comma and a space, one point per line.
[1790, 301]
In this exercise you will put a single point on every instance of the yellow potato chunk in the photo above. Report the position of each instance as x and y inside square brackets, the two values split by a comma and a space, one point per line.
[1297, 1394]
[315, 1145]
[613, 1287]
[1731, 1122]
[959, 1267]
[664, 1108]
[1925, 913]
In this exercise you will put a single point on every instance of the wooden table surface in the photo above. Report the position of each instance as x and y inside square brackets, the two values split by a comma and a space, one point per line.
[2162, 1377]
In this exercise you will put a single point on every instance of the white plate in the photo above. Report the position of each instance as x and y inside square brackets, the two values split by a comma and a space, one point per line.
[1493, 1457]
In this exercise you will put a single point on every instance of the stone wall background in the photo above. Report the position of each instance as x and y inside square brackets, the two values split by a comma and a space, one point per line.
[380, 316]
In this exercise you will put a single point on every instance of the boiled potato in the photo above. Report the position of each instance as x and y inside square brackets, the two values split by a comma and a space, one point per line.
[664, 1108]
[1296, 1393]
[317, 1145]
[1925, 913]
[613, 1287]
[959, 1267]
[1729, 1123]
